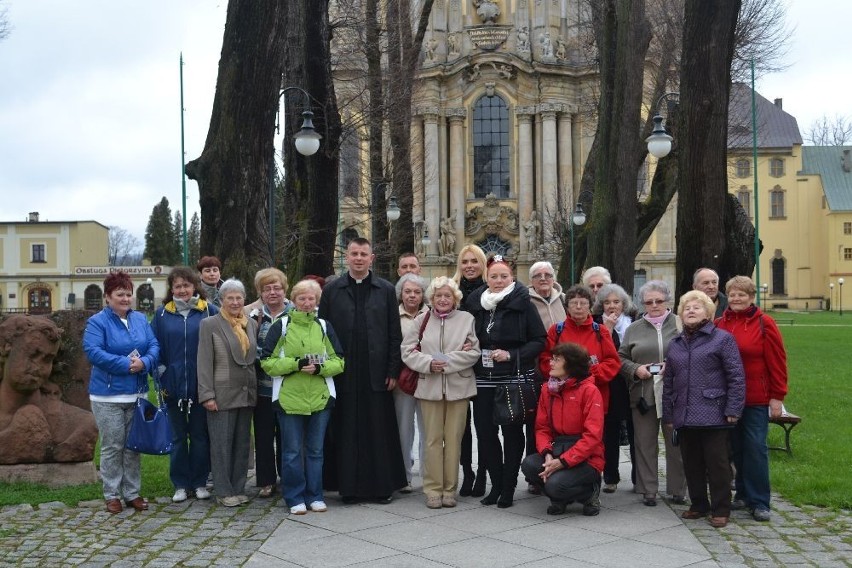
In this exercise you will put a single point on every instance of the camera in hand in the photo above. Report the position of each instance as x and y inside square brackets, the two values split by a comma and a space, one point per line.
[655, 368]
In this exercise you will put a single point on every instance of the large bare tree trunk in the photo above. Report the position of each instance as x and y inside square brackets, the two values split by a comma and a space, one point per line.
[708, 47]
[623, 36]
[311, 194]
[234, 170]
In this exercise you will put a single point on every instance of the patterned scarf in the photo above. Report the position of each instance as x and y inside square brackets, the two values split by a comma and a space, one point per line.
[238, 324]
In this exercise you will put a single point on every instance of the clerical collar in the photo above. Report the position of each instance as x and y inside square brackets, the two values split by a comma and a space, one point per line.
[358, 280]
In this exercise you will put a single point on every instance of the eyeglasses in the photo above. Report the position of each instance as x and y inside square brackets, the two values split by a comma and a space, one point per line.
[578, 303]
[653, 302]
[267, 289]
[542, 277]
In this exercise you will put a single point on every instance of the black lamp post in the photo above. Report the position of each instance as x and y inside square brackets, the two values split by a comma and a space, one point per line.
[840, 296]
[307, 142]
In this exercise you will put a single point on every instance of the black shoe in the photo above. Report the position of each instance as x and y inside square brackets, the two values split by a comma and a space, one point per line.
[592, 507]
[383, 499]
[349, 499]
[479, 485]
[556, 509]
[505, 501]
[492, 498]
[466, 489]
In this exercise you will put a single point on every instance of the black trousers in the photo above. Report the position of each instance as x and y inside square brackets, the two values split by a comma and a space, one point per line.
[267, 443]
[705, 453]
[612, 448]
[572, 485]
[502, 461]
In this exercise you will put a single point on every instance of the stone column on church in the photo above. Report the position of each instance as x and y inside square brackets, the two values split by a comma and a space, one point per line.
[416, 152]
[566, 169]
[457, 116]
[549, 174]
[526, 171]
[431, 178]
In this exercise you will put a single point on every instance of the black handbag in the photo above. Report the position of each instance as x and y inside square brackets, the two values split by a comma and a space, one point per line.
[515, 401]
[150, 429]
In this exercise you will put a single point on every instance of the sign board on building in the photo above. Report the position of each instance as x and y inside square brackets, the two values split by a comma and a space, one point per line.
[131, 270]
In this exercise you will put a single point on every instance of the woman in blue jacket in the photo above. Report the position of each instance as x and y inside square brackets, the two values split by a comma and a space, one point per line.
[175, 326]
[122, 350]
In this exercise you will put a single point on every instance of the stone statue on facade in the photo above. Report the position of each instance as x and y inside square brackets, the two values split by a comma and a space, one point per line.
[447, 244]
[431, 46]
[453, 43]
[523, 39]
[487, 10]
[532, 229]
[36, 426]
[561, 48]
[546, 45]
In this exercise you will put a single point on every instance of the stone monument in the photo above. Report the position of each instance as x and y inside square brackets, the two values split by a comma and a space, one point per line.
[37, 428]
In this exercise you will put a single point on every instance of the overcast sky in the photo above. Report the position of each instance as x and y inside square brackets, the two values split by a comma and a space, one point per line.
[90, 99]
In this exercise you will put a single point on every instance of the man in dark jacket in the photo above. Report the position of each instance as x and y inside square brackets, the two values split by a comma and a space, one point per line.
[364, 458]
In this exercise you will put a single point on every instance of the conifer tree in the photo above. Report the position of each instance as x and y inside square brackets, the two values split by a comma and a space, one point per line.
[159, 235]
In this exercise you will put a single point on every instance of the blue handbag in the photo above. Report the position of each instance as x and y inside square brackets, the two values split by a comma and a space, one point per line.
[150, 429]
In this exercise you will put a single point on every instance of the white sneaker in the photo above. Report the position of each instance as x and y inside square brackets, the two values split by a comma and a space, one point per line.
[202, 493]
[179, 496]
[319, 507]
[299, 509]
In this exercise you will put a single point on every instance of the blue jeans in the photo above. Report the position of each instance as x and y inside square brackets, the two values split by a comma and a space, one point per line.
[751, 456]
[302, 439]
[189, 462]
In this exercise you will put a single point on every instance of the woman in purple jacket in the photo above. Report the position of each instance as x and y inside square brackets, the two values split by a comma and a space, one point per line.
[703, 397]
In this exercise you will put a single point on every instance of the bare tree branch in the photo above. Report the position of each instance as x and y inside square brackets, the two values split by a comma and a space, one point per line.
[826, 131]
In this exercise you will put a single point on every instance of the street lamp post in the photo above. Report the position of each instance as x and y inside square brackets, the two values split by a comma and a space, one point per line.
[577, 218]
[765, 288]
[831, 296]
[307, 142]
[840, 296]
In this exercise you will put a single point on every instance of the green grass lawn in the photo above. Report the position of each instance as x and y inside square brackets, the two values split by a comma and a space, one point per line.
[820, 391]
[819, 348]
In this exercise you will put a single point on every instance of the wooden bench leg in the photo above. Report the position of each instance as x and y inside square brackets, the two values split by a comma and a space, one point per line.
[788, 427]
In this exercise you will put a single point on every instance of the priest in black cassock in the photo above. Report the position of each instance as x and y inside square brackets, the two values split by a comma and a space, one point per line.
[363, 456]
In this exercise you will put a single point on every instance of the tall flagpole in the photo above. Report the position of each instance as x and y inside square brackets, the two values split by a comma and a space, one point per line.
[183, 168]
[754, 171]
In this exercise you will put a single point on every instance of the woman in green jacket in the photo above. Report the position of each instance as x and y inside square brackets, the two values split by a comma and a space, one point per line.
[300, 354]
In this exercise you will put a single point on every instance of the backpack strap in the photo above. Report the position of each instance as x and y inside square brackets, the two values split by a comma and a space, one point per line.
[559, 327]
[597, 327]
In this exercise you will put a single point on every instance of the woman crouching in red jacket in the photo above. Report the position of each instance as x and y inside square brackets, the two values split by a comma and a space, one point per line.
[568, 434]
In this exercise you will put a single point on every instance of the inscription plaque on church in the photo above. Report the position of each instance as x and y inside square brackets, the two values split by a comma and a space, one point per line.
[488, 38]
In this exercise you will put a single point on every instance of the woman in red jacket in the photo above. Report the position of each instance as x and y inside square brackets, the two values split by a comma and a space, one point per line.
[765, 361]
[568, 434]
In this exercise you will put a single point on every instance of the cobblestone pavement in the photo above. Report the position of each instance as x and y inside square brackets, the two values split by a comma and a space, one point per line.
[806, 536]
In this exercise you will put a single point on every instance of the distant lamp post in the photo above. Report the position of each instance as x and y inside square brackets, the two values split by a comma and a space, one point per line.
[840, 296]
[765, 288]
[307, 142]
[578, 218]
[831, 296]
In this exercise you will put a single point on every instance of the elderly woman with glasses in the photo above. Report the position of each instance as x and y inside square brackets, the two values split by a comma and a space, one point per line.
[643, 351]
[613, 309]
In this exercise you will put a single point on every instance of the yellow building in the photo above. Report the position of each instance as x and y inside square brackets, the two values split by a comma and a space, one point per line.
[55, 265]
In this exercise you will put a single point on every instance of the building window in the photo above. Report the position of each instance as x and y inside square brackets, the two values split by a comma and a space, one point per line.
[490, 147]
[776, 167]
[743, 168]
[847, 228]
[39, 254]
[350, 165]
[93, 298]
[776, 203]
[847, 253]
[744, 197]
[39, 301]
[778, 283]
[494, 245]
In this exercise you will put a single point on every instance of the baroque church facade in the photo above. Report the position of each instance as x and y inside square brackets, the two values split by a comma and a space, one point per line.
[501, 127]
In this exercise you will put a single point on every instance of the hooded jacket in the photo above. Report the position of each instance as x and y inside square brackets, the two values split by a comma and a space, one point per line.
[762, 351]
[704, 381]
[302, 393]
[108, 344]
[178, 339]
[576, 410]
[605, 361]
[552, 309]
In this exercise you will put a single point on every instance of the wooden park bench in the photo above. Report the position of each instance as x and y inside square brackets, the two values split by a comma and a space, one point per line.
[787, 421]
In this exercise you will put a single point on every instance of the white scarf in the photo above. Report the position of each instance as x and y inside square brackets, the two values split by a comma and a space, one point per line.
[489, 299]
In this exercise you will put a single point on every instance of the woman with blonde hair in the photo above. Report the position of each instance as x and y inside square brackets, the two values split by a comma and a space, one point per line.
[703, 399]
[448, 351]
[470, 267]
